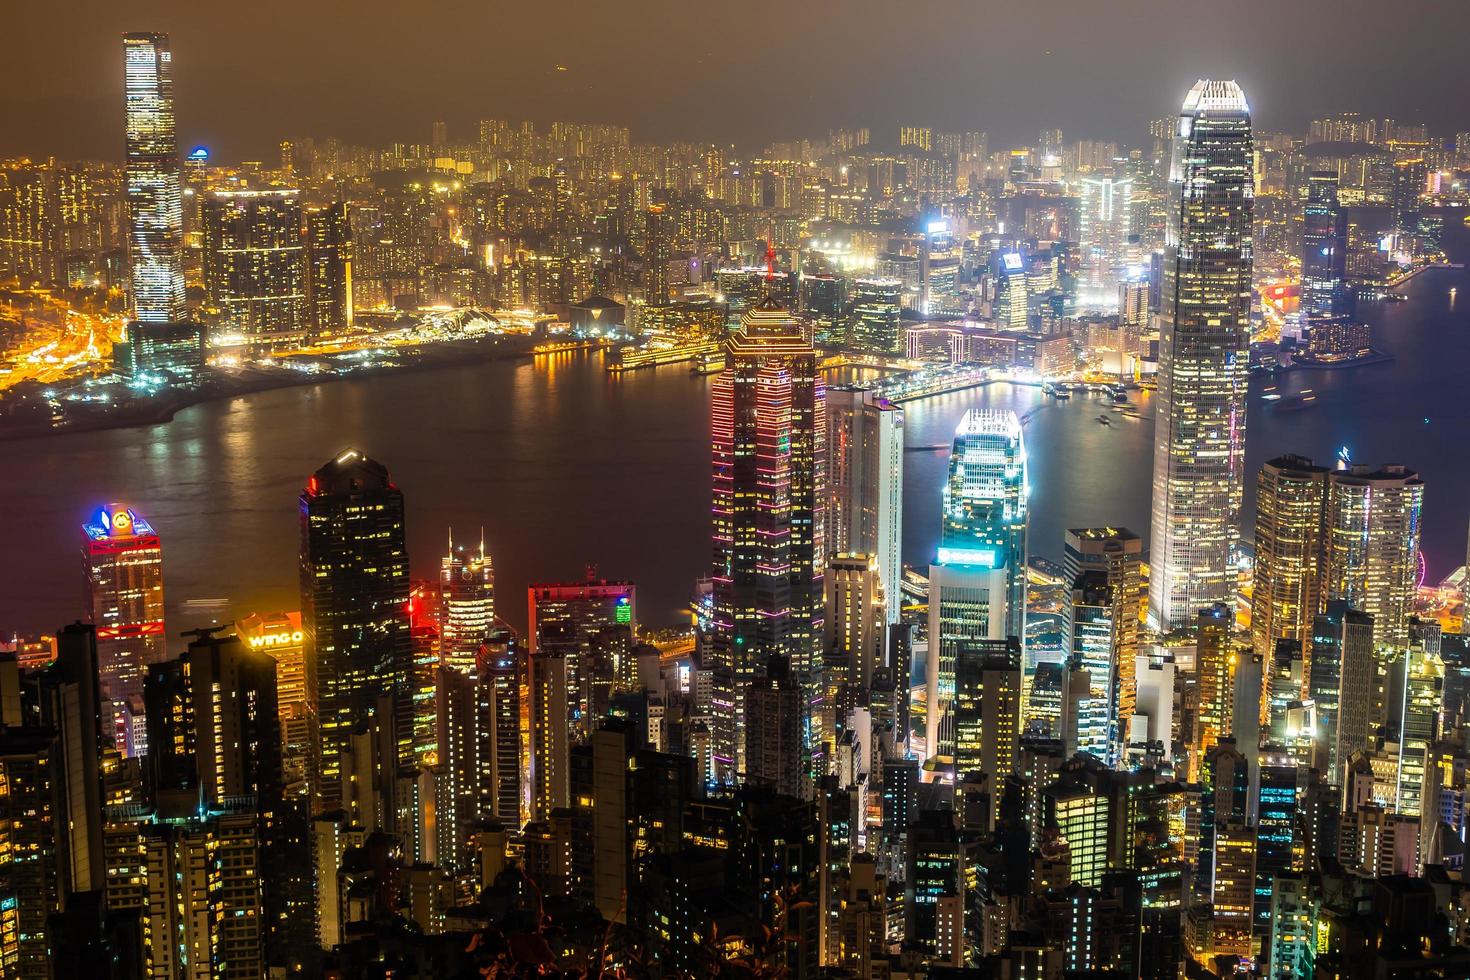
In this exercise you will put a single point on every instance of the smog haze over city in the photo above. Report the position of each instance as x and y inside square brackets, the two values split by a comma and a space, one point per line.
[378, 71]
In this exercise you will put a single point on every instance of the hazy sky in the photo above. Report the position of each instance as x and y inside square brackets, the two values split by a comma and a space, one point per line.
[249, 74]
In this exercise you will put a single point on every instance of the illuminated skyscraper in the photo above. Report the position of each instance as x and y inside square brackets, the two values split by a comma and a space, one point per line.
[1116, 555]
[255, 263]
[977, 585]
[987, 708]
[329, 257]
[1372, 545]
[1215, 669]
[855, 620]
[1105, 214]
[768, 422]
[1291, 500]
[500, 673]
[466, 605]
[873, 322]
[1324, 297]
[123, 561]
[865, 484]
[155, 181]
[354, 608]
[1204, 335]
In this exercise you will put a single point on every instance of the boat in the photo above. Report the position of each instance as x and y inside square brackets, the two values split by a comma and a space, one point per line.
[712, 363]
[1291, 403]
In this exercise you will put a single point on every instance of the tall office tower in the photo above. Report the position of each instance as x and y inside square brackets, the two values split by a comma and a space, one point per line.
[354, 608]
[592, 624]
[823, 302]
[1213, 660]
[155, 181]
[1324, 296]
[769, 434]
[255, 264]
[1278, 840]
[1105, 214]
[658, 229]
[856, 623]
[1341, 679]
[1422, 690]
[1204, 335]
[865, 484]
[547, 685]
[1291, 502]
[872, 323]
[1372, 545]
[123, 561]
[71, 707]
[1409, 183]
[329, 257]
[1100, 723]
[774, 706]
[213, 721]
[987, 708]
[977, 585]
[500, 672]
[466, 604]
[1117, 553]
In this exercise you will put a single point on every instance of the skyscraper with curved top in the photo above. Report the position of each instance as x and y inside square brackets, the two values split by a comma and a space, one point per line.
[977, 584]
[1204, 340]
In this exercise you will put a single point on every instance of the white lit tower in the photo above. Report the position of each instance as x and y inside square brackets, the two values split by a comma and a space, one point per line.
[1204, 338]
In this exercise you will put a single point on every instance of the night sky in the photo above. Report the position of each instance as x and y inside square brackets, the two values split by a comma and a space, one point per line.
[377, 71]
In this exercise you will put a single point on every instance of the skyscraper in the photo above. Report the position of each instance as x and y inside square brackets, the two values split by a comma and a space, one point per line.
[1324, 297]
[865, 484]
[987, 708]
[1105, 214]
[329, 258]
[977, 585]
[769, 475]
[155, 181]
[123, 561]
[466, 604]
[1291, 500]
[354, 607]
[160, 340]
[1204, 335]
[1372, 545]
[873, 322]
[1116, 554]
[255, 264]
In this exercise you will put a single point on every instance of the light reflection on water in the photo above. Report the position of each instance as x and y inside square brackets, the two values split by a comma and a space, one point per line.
[564, 465]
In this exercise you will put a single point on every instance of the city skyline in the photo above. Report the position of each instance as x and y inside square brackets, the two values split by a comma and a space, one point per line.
[954, 623]
[671, 78]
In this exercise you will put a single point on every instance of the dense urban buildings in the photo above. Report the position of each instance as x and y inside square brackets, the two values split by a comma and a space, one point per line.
[899, 722]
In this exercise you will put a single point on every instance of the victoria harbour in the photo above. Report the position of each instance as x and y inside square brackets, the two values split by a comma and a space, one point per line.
[564, 465]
